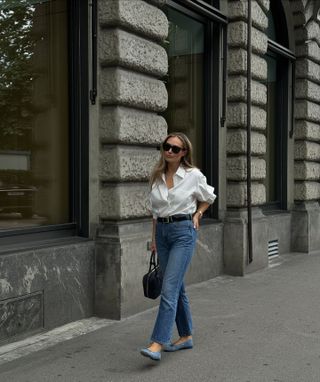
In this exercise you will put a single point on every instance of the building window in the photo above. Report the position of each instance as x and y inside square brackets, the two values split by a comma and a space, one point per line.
[276, 132]
[185, 83]
[193, 80]
[278, 63]
[36, 178]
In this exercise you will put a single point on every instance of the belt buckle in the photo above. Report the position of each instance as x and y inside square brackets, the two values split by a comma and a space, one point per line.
[168, 220]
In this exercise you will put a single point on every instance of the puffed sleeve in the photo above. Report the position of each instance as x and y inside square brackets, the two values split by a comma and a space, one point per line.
[150, 208]
[204, 192]
[154, 215]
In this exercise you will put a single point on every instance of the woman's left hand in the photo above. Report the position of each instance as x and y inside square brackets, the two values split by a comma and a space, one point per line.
[196, 221]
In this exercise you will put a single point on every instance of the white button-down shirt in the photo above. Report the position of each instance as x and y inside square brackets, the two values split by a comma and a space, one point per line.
[189, 186]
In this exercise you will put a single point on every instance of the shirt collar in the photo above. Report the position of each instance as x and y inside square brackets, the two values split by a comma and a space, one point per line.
[181, 172]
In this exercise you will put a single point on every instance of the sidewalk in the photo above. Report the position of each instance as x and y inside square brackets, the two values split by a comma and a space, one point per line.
[264, 327]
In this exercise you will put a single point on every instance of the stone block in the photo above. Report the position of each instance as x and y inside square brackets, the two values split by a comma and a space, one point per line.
[207, 261]
[237, 168]
[134, 15]
[306, 150]
[309, 49]
[306, 227]
[237, 64]
[237, 37]
[307, 110]
[125, 88]
[308, 90]
[310, 8]
[121, 260]
[237, 142]
[306, 170]
[307, 190]
[21, 315]
[126, 125]
[259, 244]
[237, 116]
[127, 163]
[237, 194]
[264, 4]
[314, 227]
[308, 69]
[134, 261]
[118, 47]
[237, 90]
[107, 299]
[236, 250]
[124, 201]
[310, 31]
[46, 287]
[307, 130]
[238, 10]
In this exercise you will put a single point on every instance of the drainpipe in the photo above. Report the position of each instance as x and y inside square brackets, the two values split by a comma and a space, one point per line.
[249, 207]
[94, 28]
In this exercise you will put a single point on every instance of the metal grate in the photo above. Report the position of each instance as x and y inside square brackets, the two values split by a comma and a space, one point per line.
[273, 248]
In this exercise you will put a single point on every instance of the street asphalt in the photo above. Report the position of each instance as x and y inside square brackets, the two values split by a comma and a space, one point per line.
[264, 327]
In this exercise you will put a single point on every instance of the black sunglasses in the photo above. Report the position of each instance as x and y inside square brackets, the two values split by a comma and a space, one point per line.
[175, 149]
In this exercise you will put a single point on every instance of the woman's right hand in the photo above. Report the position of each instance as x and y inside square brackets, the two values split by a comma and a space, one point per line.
[153, 247]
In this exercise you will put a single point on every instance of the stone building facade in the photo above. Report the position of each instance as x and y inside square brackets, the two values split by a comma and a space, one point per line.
[46, 282]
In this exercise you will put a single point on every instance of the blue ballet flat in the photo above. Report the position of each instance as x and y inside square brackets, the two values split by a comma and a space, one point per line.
[184, 345]
[154, 355]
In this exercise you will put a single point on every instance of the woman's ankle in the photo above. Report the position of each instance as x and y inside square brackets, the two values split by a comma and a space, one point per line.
[183, 339]
[155, 347]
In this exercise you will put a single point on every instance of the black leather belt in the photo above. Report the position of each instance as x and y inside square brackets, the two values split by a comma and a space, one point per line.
[174, 218]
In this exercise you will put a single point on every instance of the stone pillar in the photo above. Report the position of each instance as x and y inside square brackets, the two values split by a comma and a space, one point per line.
[306, 227]
[305, 238]
[236, 242]
[131, 93]
[236, 220]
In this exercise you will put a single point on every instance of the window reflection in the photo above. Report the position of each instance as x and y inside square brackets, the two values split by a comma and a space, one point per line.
[271, 152]
[185, 82]
[34, 135]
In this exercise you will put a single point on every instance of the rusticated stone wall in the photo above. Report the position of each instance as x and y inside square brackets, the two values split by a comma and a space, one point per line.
[306, 215]
[132, 94]
[132, 61]
[307, 108]
[237, 96]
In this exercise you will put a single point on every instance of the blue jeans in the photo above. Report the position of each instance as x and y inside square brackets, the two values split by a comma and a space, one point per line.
[175, 245]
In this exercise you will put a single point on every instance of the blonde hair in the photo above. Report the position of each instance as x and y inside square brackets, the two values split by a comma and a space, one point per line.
[162, 165]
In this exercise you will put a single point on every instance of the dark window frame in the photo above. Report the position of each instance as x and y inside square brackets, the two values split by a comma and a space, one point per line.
[215, 37]
[281, 132]
[78, 128]
[285, 64]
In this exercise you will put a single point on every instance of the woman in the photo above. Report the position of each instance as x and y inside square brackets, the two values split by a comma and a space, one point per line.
[179, 197]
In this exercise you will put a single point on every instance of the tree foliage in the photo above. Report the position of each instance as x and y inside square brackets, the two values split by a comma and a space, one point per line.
[16, 70]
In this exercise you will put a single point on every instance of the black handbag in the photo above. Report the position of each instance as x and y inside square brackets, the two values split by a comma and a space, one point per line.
[152, 281]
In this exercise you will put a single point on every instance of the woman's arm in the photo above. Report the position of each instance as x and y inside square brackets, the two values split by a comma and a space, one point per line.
[153, 241]
[202, 207]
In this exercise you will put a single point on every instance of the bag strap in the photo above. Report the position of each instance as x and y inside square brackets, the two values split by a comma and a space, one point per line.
[154, 260]
[152, 263]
